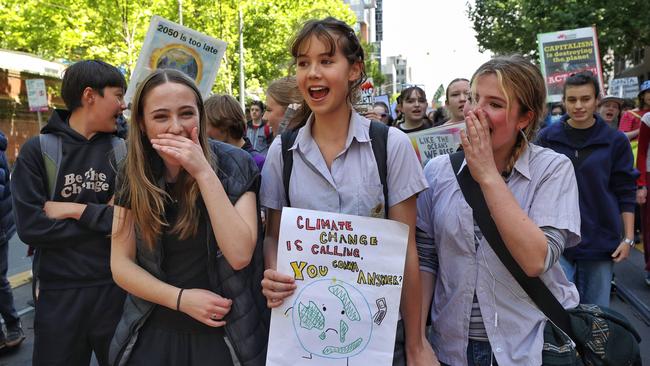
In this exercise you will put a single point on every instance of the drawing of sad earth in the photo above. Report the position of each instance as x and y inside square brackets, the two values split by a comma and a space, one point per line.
[332, 319]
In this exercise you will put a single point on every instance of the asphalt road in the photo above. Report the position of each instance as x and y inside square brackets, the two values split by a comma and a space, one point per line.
[629, 275]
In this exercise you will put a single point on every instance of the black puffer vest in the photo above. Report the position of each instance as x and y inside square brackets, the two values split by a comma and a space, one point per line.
[248, 320]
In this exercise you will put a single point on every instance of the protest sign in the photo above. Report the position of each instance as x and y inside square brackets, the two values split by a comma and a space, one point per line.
[349, 272]
[36, 95]
[624, 87]
[382, 98]
[567, 52]
[173, 46]
[366, 99]
[436, 141]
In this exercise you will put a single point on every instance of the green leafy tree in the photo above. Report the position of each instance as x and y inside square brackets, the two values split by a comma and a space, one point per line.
[373, 67]
[509, 26]
[114, 30]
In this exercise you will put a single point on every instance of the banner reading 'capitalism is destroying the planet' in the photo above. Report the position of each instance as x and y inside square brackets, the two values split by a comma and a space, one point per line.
[349, 272]
[567, 52]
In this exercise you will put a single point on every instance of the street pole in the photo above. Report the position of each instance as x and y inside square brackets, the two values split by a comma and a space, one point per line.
[180, 12]
[242, 90]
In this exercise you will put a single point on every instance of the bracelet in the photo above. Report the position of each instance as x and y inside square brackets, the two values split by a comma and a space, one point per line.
[629, 242]
[178, 300]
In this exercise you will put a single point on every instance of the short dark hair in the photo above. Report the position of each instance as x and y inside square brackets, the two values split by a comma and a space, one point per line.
[93, 74]
[258, 103]
[582, 78]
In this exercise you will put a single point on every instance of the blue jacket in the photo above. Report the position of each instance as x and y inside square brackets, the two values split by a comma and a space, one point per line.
[606, 184]
[7, 226]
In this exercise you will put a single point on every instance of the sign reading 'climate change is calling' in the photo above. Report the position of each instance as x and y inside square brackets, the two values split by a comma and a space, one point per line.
[349, 272]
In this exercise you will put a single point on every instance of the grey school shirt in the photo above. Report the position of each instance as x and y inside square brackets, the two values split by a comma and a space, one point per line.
[352, 185]
[544, 184]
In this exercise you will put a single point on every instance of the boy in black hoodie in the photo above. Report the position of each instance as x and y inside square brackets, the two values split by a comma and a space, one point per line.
[79, 305]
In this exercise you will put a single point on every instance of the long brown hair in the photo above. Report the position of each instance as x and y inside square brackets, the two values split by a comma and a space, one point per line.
[142, 189]
[520, 79]
[336, 34]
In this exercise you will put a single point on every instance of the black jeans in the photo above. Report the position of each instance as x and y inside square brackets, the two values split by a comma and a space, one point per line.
[7, 309]
[71, 324]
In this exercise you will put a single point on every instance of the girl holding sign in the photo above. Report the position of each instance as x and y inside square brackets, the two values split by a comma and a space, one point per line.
[480, 315]
[333, 155]
[184, 233]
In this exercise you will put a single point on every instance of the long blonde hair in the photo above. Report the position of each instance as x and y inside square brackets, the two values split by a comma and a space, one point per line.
[142, 189]
[520, 79]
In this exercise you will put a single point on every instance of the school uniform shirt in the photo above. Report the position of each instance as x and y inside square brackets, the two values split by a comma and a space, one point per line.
[544, 184]
[352, 185]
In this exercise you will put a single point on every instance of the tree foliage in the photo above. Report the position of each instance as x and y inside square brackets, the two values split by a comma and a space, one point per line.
[509, 26]
[114, 30]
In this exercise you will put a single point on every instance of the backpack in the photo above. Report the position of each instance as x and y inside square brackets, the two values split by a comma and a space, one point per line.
[52, 151]
[379, 137]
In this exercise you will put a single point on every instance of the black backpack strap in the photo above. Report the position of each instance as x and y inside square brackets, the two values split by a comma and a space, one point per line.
[379, 141]
[288, 138]
[534, 287]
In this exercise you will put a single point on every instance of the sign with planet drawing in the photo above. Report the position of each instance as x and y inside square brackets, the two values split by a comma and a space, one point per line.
[171, 45]
[349, 273]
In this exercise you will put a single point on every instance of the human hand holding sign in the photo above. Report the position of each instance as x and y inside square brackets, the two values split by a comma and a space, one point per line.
[276, 287]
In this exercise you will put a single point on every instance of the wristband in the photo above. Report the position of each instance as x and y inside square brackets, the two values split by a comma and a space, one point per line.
[178, 300]
[630, 242]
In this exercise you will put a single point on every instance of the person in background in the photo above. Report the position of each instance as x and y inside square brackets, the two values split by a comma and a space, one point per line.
[282, 100]
[257, 130]
[631, 120]
[457, 94]
[602, 161]
[413, 104]
[381, 113]
[226, 123]
[628, 104]
[555, 113]
[609, 108]
[643, 165]
[14, 335]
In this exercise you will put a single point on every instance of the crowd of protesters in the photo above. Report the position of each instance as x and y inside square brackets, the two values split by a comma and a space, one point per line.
[162, 249]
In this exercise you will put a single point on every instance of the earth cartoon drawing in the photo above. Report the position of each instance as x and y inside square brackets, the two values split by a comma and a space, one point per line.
[332, 319]
[178, 57]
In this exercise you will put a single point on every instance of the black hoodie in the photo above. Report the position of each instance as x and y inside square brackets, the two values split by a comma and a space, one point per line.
[70, 253]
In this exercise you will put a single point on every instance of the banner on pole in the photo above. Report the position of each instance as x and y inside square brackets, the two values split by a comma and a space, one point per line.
[172, 46]
[36, 95]
[568, 52]
[349, 272]
[624, 87]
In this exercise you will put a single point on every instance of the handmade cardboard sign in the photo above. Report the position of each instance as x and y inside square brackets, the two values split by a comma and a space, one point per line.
[349, 272]
[436, 141]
